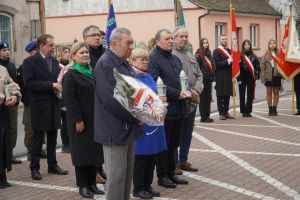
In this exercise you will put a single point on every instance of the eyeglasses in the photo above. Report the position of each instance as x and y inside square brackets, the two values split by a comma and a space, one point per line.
[94, 35]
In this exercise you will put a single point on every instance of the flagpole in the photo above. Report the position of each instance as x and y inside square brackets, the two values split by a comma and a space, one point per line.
[233, 80]
[293, 96]
[108, 6]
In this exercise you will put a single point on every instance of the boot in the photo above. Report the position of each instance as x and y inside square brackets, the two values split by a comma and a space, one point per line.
[275, 111]
[3, 180]
[270, 111]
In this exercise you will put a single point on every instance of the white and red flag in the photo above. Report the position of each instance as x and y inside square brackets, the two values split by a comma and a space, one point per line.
[235, 52]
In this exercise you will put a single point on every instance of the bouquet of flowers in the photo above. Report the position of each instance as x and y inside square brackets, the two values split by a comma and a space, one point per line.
[139, 100]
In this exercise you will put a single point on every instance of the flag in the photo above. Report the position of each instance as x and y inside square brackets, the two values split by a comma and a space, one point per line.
[179, 18]
[287, 69]
[111, 25]
[235, 52]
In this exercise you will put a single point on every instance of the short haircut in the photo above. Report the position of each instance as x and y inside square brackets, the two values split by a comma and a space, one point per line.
[158, 34]
[87, 29]
[42, 39]
[139, 53]
[117, 33]
[176, 30]
[222, 35]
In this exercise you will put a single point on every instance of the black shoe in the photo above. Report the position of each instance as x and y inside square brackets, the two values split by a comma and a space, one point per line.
[43, 154]
[153, 192]
[35, 174]
[57, 170]
[65, 149]
[176, 180]
[271, 111]
[6, 184]
[3, 181]
[247, 115]
[15, 161]
[208, 120]
[166, 182]
[275, 111]
[94, 189]
[142, 194]
[297, 113]
[86, 192]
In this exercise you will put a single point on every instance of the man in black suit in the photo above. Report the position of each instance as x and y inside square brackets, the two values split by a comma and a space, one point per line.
[40, 77]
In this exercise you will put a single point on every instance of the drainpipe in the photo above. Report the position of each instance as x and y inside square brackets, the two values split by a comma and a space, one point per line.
[199, 24]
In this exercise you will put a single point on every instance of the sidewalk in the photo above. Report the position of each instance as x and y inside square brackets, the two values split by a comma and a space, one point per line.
[244, 158]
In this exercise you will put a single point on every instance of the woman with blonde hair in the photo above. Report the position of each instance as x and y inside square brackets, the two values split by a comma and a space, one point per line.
[270, 77]
[78, 95]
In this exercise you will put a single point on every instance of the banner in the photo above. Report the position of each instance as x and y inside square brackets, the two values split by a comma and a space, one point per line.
[179, 18]
[293, 47]
[235, 52]
[111, 25]
[287, 69]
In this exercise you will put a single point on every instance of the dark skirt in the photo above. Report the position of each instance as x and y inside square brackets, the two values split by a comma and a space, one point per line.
[276, 82]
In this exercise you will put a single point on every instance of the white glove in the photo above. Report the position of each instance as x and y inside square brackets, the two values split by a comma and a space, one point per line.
[229, 60]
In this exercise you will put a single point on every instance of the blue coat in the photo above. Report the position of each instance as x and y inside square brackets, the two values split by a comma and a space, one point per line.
[167, 66]
[113, 124]
[155, 141]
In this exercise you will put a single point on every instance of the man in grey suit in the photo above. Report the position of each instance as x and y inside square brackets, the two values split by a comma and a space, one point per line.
[115, 128]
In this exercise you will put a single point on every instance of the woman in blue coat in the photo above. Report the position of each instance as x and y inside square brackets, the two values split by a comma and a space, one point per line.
[153, 140]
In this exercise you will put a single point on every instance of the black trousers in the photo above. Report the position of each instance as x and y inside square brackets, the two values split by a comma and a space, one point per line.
[166, 161]
[205, 100]
[223, 104]
[143, 171]
[37, 143]
[298, 100]
[64, 129]
[248, 84]
[85, 175]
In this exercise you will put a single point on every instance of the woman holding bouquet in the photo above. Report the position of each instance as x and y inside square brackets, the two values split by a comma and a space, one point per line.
[78, 96]
[153, 140]
[6, 102]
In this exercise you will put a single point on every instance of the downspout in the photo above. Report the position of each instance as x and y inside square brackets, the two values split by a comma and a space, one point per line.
[199, 23]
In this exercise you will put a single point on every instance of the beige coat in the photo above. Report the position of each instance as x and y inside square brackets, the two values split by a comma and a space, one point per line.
[266, 68]
[5, 79]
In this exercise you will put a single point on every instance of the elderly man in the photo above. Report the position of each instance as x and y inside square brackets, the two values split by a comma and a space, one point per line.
[115, 128]
[92, 37]
[13, 110]
[192, 70]
[163, 64]
[40, 77]
[223, 77]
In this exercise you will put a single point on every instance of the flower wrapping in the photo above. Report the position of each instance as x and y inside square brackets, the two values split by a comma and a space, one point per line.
[139, 100]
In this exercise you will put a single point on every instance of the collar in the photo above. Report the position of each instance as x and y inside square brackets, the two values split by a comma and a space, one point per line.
[163, 52]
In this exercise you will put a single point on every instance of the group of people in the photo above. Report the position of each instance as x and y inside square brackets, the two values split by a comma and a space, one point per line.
[76, 94]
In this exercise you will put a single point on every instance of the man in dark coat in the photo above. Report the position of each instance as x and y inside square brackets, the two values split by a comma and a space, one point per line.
[92, 37]
[115, 128]
[40, 77]
[13, 110]
[297, 91]
[223, 77]
[163, 64]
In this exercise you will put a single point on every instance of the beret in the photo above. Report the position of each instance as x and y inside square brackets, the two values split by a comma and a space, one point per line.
[31, 46]
[3, 45]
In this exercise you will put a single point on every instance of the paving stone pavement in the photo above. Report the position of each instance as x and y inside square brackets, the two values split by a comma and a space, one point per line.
[243, 158]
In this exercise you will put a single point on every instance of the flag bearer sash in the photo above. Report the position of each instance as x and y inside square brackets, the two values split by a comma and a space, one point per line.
[252, 71]
[209, 65]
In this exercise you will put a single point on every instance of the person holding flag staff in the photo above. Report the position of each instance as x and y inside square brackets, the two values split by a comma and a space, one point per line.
[297, 91]
[223, 77]
[249, 73]
[270, 77]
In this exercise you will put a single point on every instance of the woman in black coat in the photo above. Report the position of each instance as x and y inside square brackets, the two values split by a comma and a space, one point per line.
[78, 96]
[207, 68]
[249, 73]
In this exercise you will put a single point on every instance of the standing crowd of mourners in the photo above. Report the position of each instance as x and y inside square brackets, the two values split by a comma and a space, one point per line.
[107, 144]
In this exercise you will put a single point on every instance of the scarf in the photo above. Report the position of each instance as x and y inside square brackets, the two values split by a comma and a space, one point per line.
[85, 70]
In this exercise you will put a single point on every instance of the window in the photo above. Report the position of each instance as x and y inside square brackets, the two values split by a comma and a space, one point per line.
[6, 28]
[35, 29]
[253, 35]
[219, 30]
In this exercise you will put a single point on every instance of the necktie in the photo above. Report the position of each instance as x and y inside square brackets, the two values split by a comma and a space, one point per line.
[49, 62]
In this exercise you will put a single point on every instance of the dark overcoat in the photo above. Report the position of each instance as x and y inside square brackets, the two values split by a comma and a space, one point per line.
[5, 149]
[113, 124]
[45, 110]
[223, 74]
[297, 82]
[78, 96]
